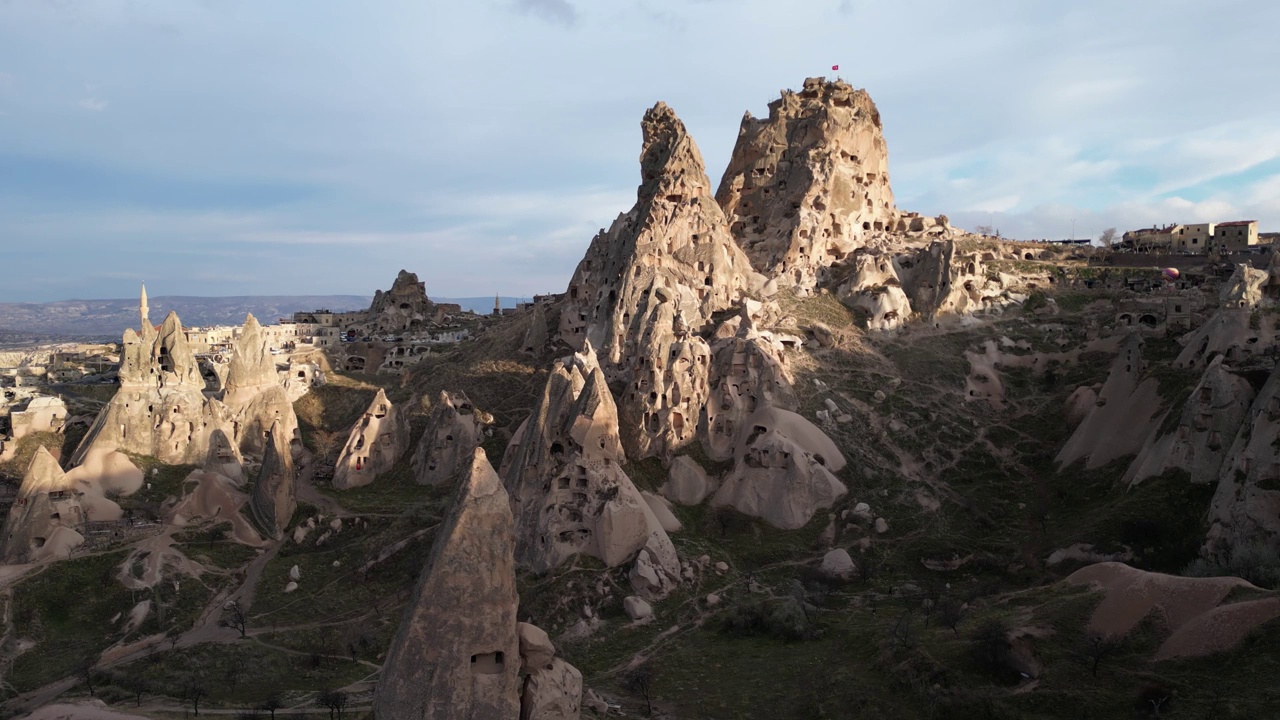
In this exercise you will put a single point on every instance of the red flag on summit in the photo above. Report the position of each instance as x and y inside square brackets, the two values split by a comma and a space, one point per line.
[835, 67]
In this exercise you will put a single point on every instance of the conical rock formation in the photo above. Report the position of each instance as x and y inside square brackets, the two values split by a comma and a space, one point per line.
[1205, 430]
[42, 520]
[810, 183]
[274, 495]
[159, 410]
[255, 395]
[563, 470]
[374, 444]
[456, 654]
[1246, 504]
[1125, 414]
[651, 281]
[748, 372]
[454, 430]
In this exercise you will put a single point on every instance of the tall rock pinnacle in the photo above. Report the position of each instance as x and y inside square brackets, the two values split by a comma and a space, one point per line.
[651, 283]
[810, 183]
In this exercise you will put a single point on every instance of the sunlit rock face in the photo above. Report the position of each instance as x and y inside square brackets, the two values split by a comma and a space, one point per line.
[563, 469]
[374, 444]
[809, 183]
[647, 286]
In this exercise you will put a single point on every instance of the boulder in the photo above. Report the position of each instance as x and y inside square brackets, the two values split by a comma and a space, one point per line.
[661, 510]
[536, 648]
[687, 482]
[837, 565]
[637, 608]
[552, 693]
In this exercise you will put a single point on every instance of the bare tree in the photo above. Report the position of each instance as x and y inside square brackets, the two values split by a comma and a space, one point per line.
[335, 700]
[236, 617]
[85, 671]
[271, 705]
[639, 680]
[173, 635]
[1098, 647]
[950, 614]
[195, 691]
[137, 684]
[983, 230]
[1107, 238]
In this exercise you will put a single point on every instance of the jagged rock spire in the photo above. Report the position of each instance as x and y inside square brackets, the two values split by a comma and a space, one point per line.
[374, 444]
[653, 281]
[454, 430]
[808, 184]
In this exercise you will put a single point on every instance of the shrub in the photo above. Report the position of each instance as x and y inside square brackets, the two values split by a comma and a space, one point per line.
[1253, 560]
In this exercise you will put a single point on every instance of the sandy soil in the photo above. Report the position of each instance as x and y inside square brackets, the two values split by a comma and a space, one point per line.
[1192, 607]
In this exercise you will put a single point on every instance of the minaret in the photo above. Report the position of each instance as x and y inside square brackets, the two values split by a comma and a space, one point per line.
[143, 309]
[497, 305]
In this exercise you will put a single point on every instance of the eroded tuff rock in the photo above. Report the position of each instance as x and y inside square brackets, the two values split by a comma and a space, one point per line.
[454, 430]
[810, 183]
[748, 372]
[274, 495]
[784, 471]
[456, 654]
[1234, 330]
[650, 283]
[404, 307]
[1244, 288]
[563, 469]
[1125, 414]
[459, 653]
[1206, 428]
[1246, 504]
[160, 409]
[43, 518]
[254, 394]
[535, 338]
[926, 283]
[374, 444]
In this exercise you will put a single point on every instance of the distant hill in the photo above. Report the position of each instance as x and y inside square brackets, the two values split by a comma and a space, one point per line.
[107, 319]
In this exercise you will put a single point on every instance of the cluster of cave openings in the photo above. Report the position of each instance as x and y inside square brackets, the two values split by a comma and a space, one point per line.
[488, 663]
[166, 361]
[361, 462]
[381, 411]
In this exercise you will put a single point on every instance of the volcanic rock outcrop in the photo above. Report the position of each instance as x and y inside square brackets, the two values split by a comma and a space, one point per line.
[404, 307]
[1206, 428]
[254, 394]
[1235, 330]
[42, 520]
[459, 653]
[563, 469]
[1125, 414]
[376, 441]
[1246, 504]
[160, 408]
[748, 372]
[650, 283]
[784, 471]
[809, 184]
[926, 283]
[274, 495]
[454, 430]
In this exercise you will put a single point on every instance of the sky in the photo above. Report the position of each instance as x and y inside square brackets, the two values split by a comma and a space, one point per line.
[241, 147]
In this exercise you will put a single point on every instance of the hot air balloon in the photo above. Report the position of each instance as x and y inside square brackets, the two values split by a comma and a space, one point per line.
[1170, 274]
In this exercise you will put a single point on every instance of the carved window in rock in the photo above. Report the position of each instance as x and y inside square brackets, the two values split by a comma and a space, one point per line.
[488, 663]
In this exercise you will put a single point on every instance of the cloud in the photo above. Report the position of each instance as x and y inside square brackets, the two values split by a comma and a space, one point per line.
[558, 12]
[93, 104]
